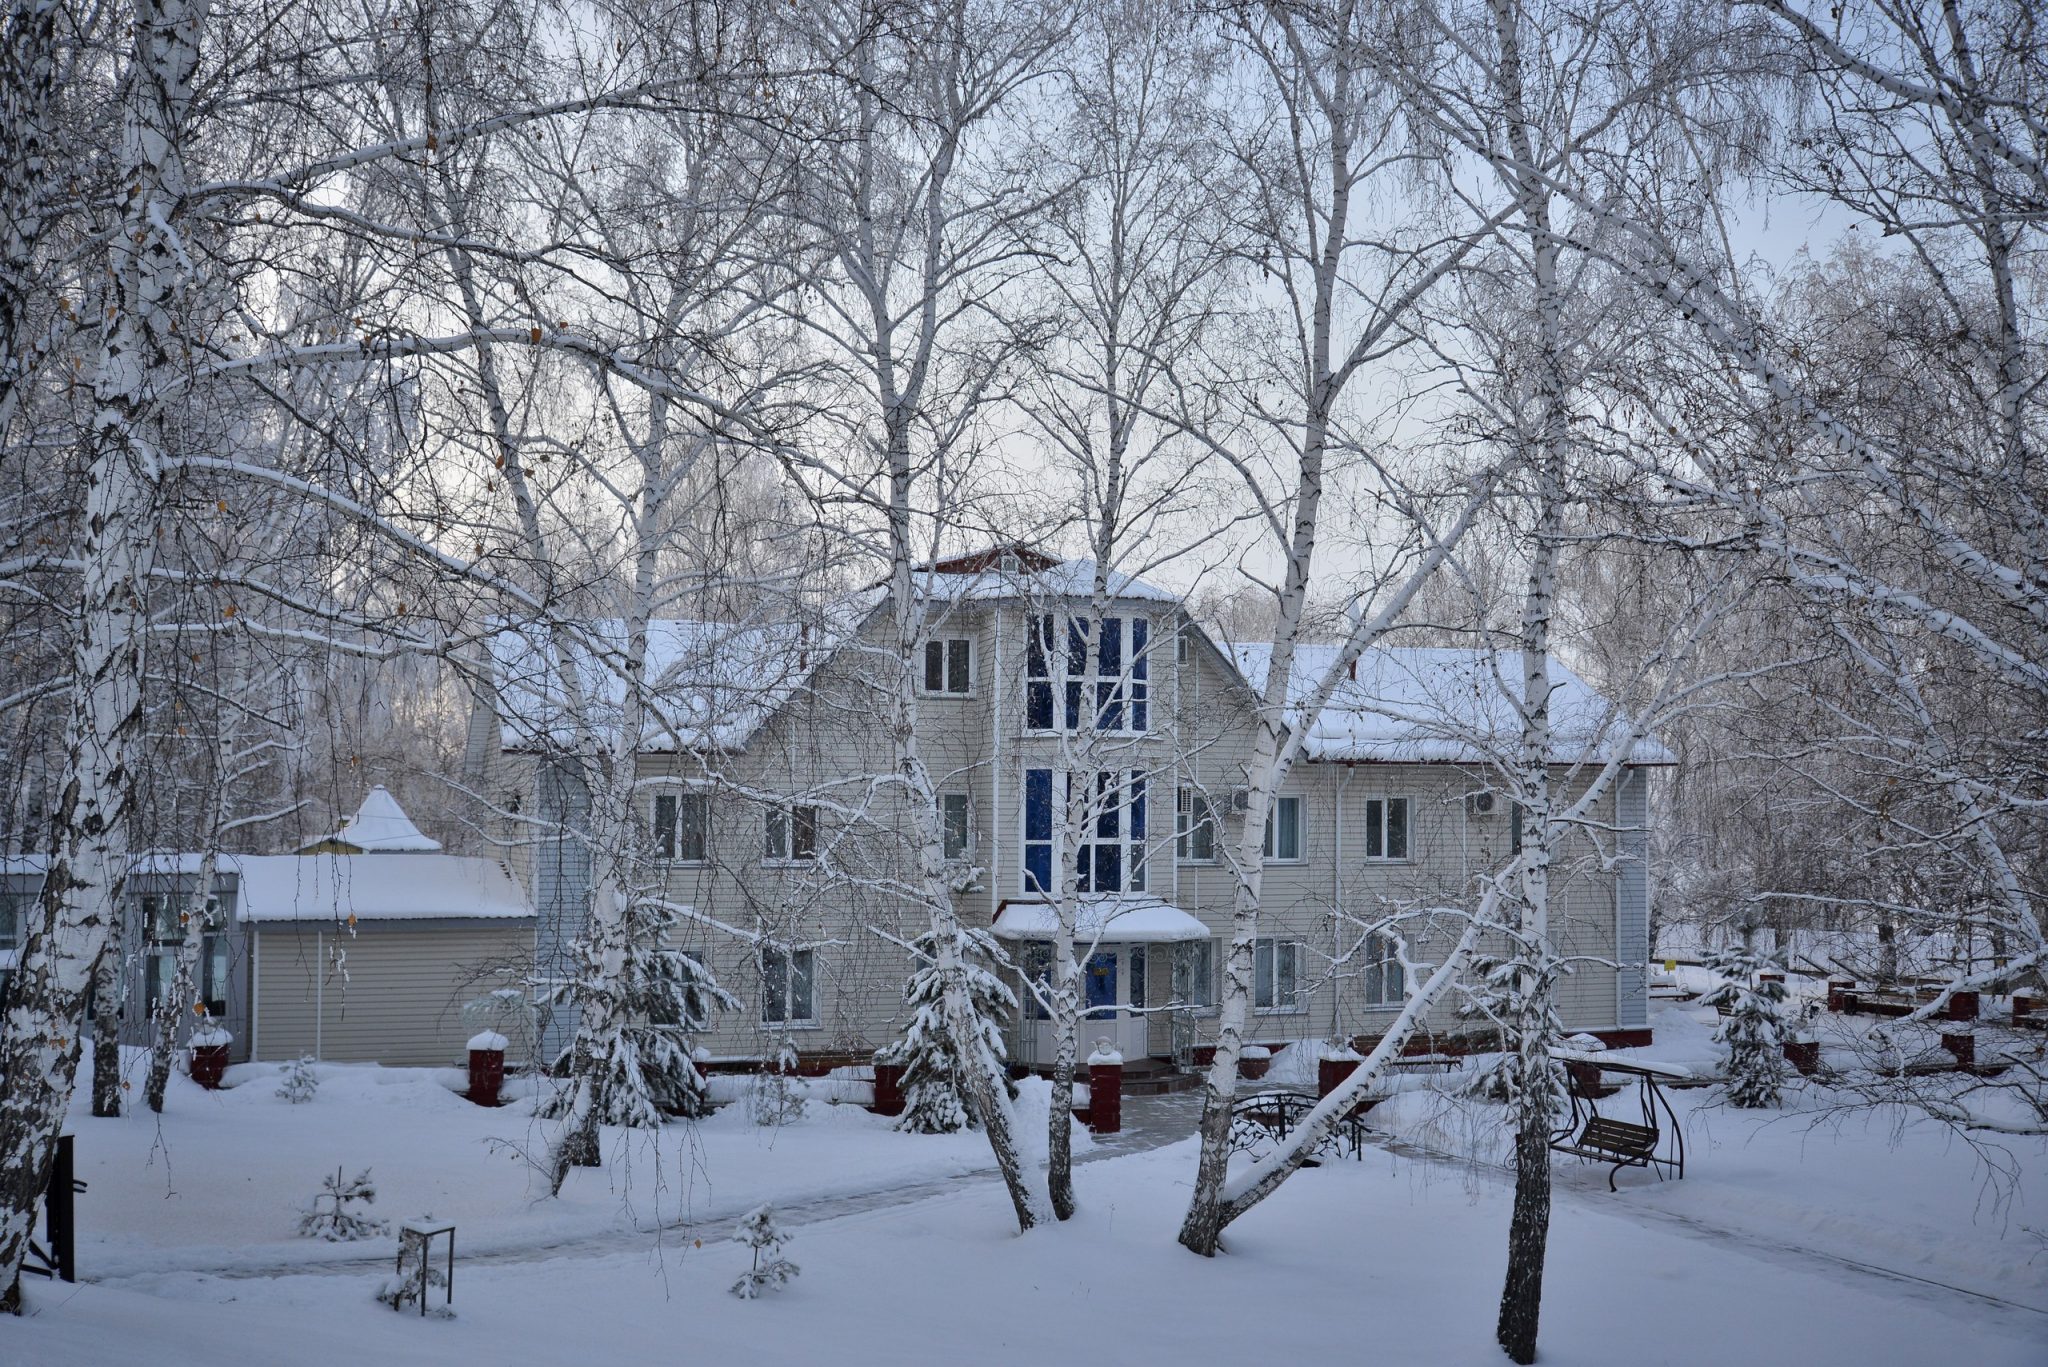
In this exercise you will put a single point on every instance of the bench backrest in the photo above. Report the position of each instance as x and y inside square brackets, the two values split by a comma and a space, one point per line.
[1618, 1136]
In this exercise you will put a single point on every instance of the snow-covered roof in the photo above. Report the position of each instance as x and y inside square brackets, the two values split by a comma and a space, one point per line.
[1060, 579]
[380, 826]
[1421, 705]
[1112, 918]
[713, 683]
[375, 887]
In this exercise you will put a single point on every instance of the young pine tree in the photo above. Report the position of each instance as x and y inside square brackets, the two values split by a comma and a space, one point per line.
[1753, 1026]
[668, 995]
[933, 1099]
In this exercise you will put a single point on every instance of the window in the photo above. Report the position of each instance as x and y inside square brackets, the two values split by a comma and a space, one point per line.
[1283, 829]
[792, 833]
[1194, 830]
[788, 986]
[953, 820]
[11, 905]
[1385, 982]
[1515, 829]
[1112, 817]
[1275, 974]
[679, 826]
[163, 920]
[1194, 974]
[1037, 965]
[1135, 957]
[1108, 688]
[1386, 828]
[949, 666]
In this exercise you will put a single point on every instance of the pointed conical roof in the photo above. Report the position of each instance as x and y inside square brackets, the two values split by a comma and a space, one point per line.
[380, 826]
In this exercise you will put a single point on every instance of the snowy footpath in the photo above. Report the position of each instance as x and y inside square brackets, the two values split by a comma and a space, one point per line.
[1851, 1241]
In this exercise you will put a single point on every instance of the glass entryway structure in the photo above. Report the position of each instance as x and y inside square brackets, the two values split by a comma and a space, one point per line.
[1121, 943]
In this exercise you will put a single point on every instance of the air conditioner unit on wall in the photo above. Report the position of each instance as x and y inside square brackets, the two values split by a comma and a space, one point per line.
[1240, 798]
[1481, 804]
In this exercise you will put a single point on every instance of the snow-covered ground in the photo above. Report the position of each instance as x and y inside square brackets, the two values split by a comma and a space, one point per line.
[1857, 1240]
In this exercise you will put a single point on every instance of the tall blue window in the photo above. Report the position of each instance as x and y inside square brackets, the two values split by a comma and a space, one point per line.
[1105, 684]
[1038, 830]
[1110, 814]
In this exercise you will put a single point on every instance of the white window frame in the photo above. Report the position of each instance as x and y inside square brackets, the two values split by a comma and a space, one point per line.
[800, 964]
[680, 793]
[1134, 863]
[1186, 804]
[946, 658]
[1088, 682]
[1270, 848]
[781, 824]
[947, 825]
[1384, 983]
[1277, 952]
[1380, 828]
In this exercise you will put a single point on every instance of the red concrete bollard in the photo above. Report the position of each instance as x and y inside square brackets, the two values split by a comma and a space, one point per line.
[1331, 1072]
[1963, 1006]
[487, 1068]
[210, 1056]
[1803, 1055]
[1253, 1062]
[888, 1089]
[1105, 1091]
[1963, 1044]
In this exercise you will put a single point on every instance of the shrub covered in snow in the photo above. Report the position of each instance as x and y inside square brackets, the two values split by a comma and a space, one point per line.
[934, 1101]
[777, 1096]
[337, 1213]
[1752, 1026]
[300, 1082]
[771, 1270]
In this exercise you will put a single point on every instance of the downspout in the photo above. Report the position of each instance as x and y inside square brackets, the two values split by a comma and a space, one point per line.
[995, 782]
[1337, 889]
[319, 988]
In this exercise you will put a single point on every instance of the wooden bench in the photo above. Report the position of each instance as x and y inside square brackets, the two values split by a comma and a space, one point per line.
[1612, 1141]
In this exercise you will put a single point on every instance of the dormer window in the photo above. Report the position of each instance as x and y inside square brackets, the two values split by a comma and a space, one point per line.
[949, 666]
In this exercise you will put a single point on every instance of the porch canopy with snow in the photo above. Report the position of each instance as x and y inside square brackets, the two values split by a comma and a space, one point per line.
[1113, 937]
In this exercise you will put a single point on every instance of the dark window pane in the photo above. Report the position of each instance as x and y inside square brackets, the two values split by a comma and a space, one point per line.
[1140, 635]
[1038, 868]
[934, 666]
[801, 1005]
[694, 811]
[1106, 813]
[1375, 831]
[1141, 708]
[665, 825]
[1073, 707]
[956, 824]
[1515, 829]
[1109, 648]
[1109, 868]
[1109, 705]
[1038, 706]
[1137, 961]
[1137, 806]
[1077, 646]
[1038, 648]
[774, 985]
[1038, 804]
[957, 680]
[1397, 828]
[804, 833]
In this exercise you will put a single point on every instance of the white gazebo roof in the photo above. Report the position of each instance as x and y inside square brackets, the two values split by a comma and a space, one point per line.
[380, 826]
[1105, 917]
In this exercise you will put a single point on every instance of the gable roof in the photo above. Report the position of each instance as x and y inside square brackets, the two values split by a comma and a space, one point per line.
[379, 826]
[713, 684]
[1425, 705]
[1040, 577]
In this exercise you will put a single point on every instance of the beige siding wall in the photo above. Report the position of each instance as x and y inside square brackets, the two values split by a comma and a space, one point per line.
[390, 993]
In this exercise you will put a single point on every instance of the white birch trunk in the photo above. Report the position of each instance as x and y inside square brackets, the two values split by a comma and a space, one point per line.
[39, 1051]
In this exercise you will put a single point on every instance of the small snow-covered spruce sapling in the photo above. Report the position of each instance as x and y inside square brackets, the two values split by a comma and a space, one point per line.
[1753, 1025]
[300, 1082]
[934, 1095]
[777, 1096]
[771, 1270]
[338, 1214]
